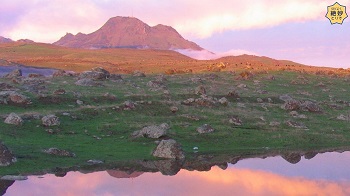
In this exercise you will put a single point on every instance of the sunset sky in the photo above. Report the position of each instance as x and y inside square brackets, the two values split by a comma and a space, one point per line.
[295, 30]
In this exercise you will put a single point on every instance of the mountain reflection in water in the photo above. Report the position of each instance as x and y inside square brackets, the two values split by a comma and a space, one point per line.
[325, 174]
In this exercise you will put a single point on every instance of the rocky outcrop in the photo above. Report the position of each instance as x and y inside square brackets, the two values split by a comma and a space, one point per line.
[50, 120]
[152, 131]
[6, 156]
[13, 74]
[169, 149]
[14, 119]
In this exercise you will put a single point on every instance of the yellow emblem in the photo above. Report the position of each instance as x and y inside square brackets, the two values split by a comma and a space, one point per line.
[336, 13]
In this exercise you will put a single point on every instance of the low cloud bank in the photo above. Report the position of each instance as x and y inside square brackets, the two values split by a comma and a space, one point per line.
[207, 55]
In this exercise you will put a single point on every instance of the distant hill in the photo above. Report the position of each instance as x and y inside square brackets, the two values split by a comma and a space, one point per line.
[129, 32]
[5, 40]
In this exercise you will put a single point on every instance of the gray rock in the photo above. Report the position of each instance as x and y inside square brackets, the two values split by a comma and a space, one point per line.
[169, 149]
[95, 162]
[50, 120]
[155, 84]
[59, 73]
[14, 119]
[174, 109]
[291, 104]
[59, 152]
[205, 129]
[129, 105]
[152, 131]
[14, 178]
[13, 97]
[6, 156]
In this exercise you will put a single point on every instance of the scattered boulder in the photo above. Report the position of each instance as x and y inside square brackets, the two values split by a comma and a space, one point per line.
[241, 86]
[161, 78]
[115, 77]
[36, 75]
[155, 84]
[259, 100]
[233, 93]
[87, 82]
[174, 109]
[274, 124]
[235, 120]
[6, 156]
[129, 105]
[223, 101]
[59, 92]
[59, 152]
[295, 114]
[205, 129]
[200, 90]
[169, 149]
[152, 131]
[13, 74]
[138, 73]
[13, 97]
[271, 77]
[297, 125]
[285, 97]
[50, 120]
[14, 119]
[291, 104]
[59, 73]
[343, 117]
[311, 107]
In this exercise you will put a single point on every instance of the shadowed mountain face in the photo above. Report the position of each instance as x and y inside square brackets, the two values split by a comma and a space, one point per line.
[5, 40]
[129, 32]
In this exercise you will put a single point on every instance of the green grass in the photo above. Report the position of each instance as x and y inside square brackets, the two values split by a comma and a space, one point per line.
[100, 118]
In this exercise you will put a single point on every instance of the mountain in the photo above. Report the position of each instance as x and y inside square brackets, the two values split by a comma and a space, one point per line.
[5, 40]
[129, 32]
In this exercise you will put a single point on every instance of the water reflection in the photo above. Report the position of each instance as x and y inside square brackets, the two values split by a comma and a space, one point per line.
[325, 174]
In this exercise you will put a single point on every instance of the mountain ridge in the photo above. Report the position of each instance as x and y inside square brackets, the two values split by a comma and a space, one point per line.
[128, 32]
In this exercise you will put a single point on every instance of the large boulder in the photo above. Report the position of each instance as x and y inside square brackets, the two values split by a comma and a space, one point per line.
[291, 104]
[50, 120]
[169, 149]
[13, 74]
[13, 97]
[6, 156]
[153, 131]
[96, 74]
[59, 152]
[205, 129]
[14, 119]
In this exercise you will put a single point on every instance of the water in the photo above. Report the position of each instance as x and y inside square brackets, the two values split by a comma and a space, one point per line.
[325, 174]
[26, 70]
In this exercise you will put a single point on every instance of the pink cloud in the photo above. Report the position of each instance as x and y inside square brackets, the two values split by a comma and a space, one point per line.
[47, 21]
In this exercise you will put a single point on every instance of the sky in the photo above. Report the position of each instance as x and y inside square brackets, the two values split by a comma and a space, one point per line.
[294, 30]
